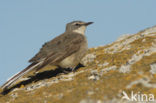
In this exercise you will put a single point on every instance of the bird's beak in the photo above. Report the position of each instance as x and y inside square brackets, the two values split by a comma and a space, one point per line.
[88, 23]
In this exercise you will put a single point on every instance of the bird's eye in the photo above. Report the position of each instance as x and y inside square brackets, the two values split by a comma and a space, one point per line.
[77, 24]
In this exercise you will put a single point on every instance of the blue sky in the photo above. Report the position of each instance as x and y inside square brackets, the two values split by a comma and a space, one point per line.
[26, 24]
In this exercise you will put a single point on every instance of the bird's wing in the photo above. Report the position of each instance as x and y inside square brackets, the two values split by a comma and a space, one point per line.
[59, 48]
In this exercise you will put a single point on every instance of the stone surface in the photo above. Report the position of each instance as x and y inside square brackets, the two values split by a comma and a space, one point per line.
[111, 72]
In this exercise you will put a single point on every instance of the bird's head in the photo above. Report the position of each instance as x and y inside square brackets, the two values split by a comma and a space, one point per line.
[77, 26]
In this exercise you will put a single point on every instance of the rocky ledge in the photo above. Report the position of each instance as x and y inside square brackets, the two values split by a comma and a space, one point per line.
[121, 72]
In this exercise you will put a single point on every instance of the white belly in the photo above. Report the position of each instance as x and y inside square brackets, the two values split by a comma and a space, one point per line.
[69, 62]
[73, 60]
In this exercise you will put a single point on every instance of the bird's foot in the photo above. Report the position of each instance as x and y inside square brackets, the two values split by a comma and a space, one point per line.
[68, 70]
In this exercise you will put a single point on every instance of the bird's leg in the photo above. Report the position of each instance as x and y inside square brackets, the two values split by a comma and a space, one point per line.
[65, 71]
[73, 69]
[68, 70]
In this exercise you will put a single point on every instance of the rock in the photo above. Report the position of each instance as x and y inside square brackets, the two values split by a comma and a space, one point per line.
[121, 72]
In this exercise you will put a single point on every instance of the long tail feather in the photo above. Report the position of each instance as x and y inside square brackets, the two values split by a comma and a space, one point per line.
[13, 79]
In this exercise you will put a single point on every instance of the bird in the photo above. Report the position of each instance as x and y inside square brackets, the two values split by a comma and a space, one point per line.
[65, 51]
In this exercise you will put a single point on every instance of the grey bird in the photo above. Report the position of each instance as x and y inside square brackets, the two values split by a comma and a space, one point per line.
[65, 51]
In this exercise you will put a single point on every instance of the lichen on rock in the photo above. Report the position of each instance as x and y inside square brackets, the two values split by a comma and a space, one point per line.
[127, 65]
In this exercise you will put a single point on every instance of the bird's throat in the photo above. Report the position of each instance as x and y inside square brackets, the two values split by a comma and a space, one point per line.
[80, 30]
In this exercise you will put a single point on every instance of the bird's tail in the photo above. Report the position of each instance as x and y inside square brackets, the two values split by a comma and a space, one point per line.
[13, 79]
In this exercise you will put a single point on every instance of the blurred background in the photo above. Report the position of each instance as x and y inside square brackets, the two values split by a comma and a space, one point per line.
[26, 25]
